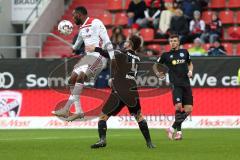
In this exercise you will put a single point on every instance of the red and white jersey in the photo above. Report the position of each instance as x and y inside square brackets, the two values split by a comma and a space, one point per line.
[93, 32]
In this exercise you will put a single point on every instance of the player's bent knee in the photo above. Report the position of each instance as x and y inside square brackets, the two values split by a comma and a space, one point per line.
[188, 109]
[81, 78]
[72, 79]
[139, 117]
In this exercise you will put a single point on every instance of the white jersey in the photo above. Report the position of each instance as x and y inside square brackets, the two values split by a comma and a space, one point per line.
[93, 32]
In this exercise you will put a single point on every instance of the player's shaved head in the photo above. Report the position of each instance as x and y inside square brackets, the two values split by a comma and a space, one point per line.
[79, 15]
[82, 10]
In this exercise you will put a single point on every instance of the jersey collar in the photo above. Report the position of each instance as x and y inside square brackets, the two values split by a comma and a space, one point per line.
[85, 22]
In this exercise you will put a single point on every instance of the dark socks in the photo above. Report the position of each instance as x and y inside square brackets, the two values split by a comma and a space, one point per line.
[102, 129]
[144, 129]
[179, 118]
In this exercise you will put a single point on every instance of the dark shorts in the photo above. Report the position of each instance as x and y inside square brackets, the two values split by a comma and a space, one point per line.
[115, 104]
[182, 94]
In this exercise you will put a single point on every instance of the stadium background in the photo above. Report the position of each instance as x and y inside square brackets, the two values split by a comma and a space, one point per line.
[31, 48]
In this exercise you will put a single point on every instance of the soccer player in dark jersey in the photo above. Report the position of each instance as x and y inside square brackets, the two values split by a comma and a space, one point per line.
[124, 90]
[180, 68]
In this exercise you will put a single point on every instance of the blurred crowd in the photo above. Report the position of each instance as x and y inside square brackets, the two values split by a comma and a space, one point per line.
[182, 17]
[166, 17]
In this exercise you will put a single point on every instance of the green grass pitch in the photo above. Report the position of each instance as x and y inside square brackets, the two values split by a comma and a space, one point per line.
[198, 144]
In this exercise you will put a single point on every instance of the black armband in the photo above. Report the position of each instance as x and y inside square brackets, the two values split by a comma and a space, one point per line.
[104, 53]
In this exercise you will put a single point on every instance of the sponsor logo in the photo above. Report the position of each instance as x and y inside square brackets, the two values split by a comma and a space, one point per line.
[6, 80]
[121, 122]
[174, 62]
[181, 55]
[42, 82]
[10, 103]
[25, 2]
[212, 81]
[178, 61]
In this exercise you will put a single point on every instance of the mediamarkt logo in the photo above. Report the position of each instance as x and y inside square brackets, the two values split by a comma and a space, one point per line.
[10, 103]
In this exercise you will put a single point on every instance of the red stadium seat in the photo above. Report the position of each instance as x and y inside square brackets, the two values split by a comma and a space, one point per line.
[167, 48]
[187, 46]
[206, 46]
[106, 18]
[109, 31]
[226, 17]
[238, 50]
[121, 19]
[155, 47]
[114, 4]
[234, 4]
[126, 4]
[147, 34]
[234, 33]
[229, 48]
[217, 4]
[238, 17]
[207, 16]
[126, 31]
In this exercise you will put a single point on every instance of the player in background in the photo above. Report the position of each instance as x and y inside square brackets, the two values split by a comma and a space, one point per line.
[91, 32]
[124, 90]
[180, 68]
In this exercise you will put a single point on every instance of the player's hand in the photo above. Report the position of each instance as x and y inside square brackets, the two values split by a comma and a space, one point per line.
[161, 75]
[190, 74]
[90, 48]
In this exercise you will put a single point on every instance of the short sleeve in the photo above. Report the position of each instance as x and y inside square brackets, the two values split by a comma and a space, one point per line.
[161, 59]
[188, 57]
[100, 30]
[78, 42]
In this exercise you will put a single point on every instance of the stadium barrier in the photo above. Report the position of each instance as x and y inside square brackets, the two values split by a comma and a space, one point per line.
[30, 89]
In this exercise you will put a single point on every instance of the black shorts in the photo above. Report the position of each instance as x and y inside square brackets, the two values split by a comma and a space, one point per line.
[115, 104]
[182, 94]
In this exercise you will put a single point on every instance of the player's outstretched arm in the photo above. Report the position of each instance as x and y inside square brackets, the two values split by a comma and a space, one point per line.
[102, 52]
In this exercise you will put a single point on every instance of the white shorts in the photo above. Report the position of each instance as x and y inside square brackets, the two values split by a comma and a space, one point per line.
[90, 65]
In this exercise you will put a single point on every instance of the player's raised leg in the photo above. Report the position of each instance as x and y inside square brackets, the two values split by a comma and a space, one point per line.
[75, 97]
[76, 88]
[64, 112]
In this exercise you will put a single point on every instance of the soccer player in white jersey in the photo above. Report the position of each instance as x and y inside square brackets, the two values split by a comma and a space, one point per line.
[92, 32]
